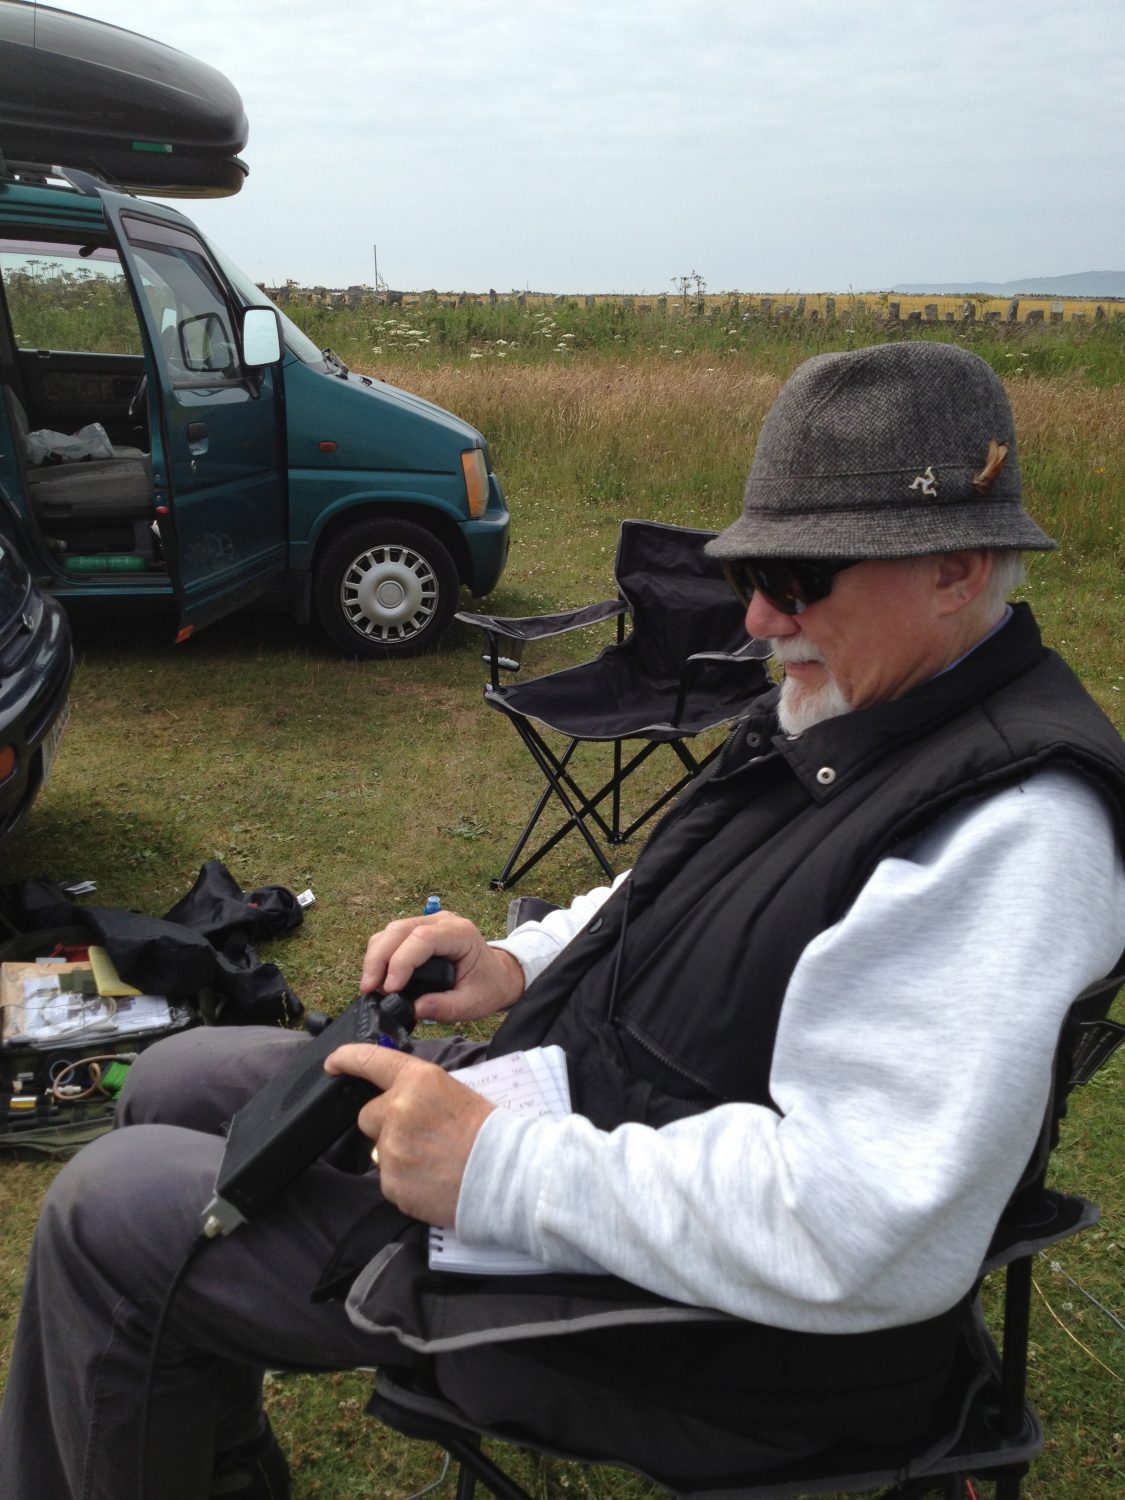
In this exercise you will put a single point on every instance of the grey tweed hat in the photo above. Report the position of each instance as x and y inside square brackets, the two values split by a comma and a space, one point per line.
[894, 451]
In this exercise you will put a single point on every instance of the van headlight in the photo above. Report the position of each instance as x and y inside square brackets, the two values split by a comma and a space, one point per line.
[476, 480]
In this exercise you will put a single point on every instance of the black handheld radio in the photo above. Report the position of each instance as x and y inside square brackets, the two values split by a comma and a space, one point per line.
[295, 1117]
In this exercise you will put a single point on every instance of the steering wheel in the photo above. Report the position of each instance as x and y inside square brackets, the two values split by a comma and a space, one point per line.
[137, 402]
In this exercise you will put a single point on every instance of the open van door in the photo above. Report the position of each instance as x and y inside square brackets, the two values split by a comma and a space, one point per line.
[220, 487]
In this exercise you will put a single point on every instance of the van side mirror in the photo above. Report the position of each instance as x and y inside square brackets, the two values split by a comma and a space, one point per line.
[261, 337]
[205, 344]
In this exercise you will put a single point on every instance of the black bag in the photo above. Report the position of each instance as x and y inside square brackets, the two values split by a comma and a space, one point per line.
[199, 953]
[199, 956]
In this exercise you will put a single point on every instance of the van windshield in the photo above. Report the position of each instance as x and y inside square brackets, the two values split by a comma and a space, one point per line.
[296, 342]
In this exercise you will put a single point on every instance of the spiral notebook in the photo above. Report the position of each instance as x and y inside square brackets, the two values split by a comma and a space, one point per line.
[528, 1083]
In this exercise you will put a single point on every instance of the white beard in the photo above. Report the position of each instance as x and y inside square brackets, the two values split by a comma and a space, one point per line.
[799, 708]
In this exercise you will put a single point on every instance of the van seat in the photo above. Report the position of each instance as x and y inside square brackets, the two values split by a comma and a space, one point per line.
[95, 489]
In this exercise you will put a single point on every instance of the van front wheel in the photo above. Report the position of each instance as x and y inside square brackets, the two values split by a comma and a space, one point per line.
[385, 588]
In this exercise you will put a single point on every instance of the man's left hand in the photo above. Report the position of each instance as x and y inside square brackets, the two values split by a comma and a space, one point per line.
[424, 1124]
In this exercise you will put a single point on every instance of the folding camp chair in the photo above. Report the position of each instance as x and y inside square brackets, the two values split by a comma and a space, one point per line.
[685, 667]
[985, 1428]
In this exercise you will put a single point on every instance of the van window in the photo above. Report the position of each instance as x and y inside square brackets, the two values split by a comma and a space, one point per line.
[72, 297]
[196, 341]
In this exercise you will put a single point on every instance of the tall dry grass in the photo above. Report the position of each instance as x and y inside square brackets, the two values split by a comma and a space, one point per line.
[673, 439]
[1073, 460]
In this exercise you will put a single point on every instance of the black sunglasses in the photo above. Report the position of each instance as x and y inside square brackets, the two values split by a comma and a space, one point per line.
[789, 583]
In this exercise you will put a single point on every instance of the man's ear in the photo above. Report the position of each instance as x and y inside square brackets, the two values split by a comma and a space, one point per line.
[959, 578]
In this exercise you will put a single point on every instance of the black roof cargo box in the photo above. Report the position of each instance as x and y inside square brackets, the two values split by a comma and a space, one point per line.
[75, 92]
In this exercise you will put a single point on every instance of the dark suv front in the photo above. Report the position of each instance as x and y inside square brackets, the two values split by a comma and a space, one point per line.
[35, 666]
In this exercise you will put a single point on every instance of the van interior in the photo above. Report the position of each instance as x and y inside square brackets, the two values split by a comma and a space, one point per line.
[73, 356]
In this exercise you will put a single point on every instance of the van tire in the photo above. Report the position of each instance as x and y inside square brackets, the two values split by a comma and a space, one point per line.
[385, 588]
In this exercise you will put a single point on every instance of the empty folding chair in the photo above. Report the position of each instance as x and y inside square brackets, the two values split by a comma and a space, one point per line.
[684, 667]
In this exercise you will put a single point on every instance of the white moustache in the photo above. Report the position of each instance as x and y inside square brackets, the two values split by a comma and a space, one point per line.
[794, 648]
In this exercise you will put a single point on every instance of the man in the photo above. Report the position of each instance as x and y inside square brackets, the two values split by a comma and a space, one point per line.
[808, 1037]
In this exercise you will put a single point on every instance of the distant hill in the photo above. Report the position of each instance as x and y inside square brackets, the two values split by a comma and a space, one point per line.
[1082, 284]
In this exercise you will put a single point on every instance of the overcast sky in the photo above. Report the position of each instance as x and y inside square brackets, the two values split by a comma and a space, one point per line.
[614, 145]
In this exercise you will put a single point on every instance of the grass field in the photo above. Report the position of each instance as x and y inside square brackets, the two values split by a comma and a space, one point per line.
[375, 784]
[436, 333]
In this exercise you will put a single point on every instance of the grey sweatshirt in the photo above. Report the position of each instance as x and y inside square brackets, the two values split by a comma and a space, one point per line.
[911, 1071]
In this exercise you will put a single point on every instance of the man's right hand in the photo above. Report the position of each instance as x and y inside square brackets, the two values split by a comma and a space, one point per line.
[485, 979]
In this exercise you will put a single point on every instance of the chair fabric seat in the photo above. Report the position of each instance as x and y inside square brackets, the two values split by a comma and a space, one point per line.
[605, 699]
[962, 1436]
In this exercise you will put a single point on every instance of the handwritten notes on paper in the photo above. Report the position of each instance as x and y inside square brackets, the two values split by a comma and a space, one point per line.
[527, 1083]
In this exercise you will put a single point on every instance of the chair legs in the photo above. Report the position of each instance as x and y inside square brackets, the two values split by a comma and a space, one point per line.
[561, 785]
[475, 1464]
[1017, 1317]
[579, 808]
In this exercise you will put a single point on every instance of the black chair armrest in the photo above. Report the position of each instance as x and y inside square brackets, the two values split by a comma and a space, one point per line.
[538, 627]
[522, 628]
[754, 651]
[527, 909]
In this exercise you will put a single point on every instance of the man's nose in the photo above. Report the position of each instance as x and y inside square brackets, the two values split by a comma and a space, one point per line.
[764, 619]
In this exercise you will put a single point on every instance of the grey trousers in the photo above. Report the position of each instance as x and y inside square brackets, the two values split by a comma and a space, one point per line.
[115, 1226]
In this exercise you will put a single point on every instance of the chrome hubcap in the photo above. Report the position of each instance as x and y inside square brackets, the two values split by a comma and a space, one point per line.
[389, 593]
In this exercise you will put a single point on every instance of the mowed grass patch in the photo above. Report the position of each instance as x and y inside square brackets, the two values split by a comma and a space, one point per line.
[377, 783]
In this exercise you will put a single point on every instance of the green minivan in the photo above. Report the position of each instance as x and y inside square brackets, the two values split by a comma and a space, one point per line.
[228, 457]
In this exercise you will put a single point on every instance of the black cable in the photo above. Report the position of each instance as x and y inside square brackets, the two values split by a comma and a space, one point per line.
[150, 1378]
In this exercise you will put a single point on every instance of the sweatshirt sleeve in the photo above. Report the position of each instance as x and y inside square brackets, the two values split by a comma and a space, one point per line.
[911, 1072]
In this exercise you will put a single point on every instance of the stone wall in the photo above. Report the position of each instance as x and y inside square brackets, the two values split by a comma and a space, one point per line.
[887, 309]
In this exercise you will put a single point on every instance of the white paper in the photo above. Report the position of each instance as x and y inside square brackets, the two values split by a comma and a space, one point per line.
[527, 1083]
[49, 1014]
